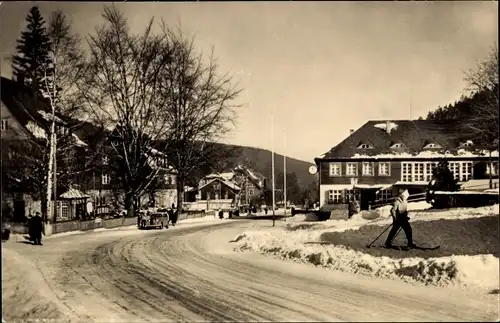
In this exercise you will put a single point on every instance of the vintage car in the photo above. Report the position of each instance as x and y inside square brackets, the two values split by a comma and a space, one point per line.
[148, 219]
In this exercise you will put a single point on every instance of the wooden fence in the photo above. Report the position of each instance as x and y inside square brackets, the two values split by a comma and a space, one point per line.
[75, 225]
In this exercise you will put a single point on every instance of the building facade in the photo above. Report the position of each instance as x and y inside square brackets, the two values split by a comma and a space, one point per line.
[86, 160]
[382, 158]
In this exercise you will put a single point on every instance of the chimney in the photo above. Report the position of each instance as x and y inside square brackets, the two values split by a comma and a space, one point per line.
[351, 131]
[388, 127]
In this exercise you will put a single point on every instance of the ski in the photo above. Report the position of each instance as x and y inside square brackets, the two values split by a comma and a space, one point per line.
[426, 248]
[401, 248]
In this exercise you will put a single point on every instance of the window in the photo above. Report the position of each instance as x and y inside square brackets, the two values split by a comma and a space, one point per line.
[5, 125]
[352, 194]
[352, 169]
[384, 168]
[397, 145]
[467, 143]
[455, 169]
[418, 172]
[335, 169]
[168, 179]
[422, 171]
[465, 171]
[432, 145]
[384, 195]
[492, 169]
[429, 167]
[173, 179]
[105, 160]
[251, 192]
[335, 196]
[367, 168]
[364, 146]
[106, 179]
[64, 209]
[226, 195]
[406, 172]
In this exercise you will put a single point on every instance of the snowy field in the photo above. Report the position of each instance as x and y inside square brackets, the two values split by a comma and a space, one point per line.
[300, 240]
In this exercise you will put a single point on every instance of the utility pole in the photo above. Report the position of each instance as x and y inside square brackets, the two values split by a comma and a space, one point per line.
[284, 170]
[272, 166]
[55, 175]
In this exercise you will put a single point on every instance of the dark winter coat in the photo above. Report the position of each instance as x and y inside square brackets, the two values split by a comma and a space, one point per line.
[36, 226]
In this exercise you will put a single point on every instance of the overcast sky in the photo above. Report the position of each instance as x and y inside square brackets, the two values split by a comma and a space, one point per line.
[322, 67]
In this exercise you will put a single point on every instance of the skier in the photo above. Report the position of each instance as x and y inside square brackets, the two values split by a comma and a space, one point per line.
[399, 213]
[37, 228]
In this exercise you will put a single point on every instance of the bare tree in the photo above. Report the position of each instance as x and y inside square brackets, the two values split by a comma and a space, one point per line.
[199, 108]
[61, 91]
[122, 91]
[483, 123]
[483, 81]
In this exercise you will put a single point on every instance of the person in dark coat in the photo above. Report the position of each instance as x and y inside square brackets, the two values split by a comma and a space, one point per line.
[399, 213]
[37, 228]
[175, 214]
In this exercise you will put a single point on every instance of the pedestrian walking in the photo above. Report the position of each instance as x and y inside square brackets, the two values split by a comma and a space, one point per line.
[37, 228]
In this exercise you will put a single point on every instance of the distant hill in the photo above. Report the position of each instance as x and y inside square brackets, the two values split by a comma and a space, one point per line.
[260, 160]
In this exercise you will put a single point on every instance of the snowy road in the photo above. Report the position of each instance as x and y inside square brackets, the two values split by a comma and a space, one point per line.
[190, 273]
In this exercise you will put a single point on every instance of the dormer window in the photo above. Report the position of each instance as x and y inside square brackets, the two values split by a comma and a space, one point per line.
[5, 125]
[467, 143]
[432, 146]
[105, 160]
[397, 145]
[364, 146]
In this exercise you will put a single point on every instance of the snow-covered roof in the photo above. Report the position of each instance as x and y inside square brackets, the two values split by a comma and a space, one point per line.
[414, 134]
[225, 175]
[36, 130]
[48, 116]
[78, 141]
[226, 182]
[73, 194]
[461, 153]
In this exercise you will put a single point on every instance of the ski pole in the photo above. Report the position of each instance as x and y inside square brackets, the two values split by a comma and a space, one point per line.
[369, 245]
[399, 230]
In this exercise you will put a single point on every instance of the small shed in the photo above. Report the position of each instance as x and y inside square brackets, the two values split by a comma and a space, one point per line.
[72, 204]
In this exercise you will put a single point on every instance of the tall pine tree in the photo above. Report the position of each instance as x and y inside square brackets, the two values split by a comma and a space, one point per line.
[33, 48]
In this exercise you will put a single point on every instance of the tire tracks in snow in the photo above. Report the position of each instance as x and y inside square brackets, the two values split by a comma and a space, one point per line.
[179, 275]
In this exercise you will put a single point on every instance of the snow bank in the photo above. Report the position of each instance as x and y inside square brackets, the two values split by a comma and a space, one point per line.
[299, 241]
[480, 271]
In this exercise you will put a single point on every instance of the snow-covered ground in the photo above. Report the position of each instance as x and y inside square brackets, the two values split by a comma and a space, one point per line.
[180, 274]
[293, 241]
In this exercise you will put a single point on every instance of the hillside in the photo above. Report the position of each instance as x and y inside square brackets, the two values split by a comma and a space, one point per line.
[260, 160]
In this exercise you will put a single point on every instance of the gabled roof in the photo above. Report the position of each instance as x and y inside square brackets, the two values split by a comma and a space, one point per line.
[25, 104]
[230, 184]
[254, 176]
[412, 133]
